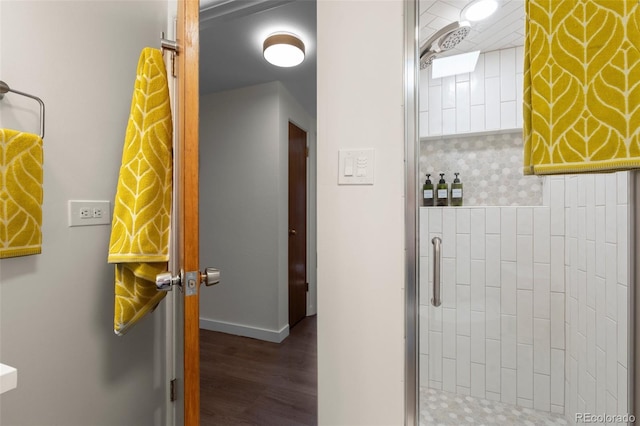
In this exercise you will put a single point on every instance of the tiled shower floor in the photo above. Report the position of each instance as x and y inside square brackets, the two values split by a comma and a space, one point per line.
[438, 407]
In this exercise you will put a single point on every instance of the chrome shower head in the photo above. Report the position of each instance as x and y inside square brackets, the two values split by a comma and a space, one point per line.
[427, 59]
[444, 39]
[454, 37]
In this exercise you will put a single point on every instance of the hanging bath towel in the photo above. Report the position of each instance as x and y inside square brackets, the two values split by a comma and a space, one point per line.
[581, 86]
[20, 193]
[139, 243]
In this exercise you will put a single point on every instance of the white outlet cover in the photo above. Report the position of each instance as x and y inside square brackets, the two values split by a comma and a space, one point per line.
[75, 218]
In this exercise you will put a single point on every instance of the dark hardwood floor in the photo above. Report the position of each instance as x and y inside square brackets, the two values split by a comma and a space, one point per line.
[246, 381]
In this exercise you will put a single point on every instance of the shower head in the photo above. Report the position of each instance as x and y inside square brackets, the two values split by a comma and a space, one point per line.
[454, 37]
[444, 39]
[427, 59]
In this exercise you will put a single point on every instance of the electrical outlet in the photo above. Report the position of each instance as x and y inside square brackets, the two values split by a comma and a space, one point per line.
[89, 212]
[85, 213]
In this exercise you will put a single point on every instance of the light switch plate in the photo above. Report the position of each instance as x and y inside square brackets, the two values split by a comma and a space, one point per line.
[355, 166]
[89, 212]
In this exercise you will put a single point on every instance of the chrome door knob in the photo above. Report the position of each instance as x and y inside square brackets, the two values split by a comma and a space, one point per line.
[210, 276]
[166, 280]
[292, 232]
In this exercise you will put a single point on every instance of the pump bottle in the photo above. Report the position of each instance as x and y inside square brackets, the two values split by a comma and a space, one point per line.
[442, 192]
[456, 191]
[427, 192]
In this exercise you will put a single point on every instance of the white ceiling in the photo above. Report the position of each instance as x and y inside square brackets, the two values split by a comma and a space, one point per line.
[231, 37]
[503, 29]
[232, 32]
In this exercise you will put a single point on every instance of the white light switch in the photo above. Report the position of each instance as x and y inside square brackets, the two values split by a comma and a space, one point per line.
[356, 166]
[348, 166]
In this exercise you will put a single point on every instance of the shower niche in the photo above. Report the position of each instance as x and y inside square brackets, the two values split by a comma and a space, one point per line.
[490, 167]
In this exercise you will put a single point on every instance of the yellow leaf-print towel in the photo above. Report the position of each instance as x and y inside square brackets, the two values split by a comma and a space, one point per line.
[581, 86]
[139, 243]
[20, 193]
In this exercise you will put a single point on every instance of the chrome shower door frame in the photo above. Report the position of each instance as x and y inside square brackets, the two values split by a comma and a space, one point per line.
[411, 70]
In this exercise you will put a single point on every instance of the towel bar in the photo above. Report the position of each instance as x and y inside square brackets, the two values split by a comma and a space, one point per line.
[4, 88]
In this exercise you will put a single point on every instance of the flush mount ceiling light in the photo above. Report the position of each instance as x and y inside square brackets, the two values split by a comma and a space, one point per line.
[477, 10]
[283, 50]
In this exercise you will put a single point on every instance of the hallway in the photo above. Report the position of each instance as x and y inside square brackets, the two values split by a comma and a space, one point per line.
[252, 382]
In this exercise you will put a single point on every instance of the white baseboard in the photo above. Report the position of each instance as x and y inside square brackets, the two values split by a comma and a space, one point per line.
[245, 330]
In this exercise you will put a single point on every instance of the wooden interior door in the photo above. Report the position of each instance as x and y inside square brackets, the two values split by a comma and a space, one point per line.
[297, 224]
[187, 64]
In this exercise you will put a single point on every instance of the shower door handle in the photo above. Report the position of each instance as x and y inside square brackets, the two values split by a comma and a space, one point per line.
[435, 300]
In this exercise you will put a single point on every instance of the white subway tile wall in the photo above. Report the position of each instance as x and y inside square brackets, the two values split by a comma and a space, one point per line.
[492, 339]
[529, 315]
[485, 99]
[596, 321]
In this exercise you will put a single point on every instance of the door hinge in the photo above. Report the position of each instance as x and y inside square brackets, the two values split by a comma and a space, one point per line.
[306, 151]
[173, 390]
[173, 49]
[307, 286]
[173, 64]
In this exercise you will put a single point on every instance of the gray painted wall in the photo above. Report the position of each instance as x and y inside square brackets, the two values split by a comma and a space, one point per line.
[56, 309]
[244, 207]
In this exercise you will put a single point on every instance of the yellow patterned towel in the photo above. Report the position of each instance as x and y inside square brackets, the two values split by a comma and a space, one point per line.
[581, 86]
[142, 212]
[20, 193]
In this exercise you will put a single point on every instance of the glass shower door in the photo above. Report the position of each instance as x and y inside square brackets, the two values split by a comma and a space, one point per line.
[535, 273]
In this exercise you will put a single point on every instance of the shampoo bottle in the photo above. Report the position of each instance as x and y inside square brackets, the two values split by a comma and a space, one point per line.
[427, 192]
[442, 192]
[456, 191]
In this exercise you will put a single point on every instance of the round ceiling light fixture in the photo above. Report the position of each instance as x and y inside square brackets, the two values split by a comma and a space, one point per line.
[477, 10]
[283, 50]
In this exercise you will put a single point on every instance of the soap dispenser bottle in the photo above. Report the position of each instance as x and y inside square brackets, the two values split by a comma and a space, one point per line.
[456, 191]
[427, 192]
[442, 192]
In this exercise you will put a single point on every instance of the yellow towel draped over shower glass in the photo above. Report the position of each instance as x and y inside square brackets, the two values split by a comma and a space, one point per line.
[581, 86]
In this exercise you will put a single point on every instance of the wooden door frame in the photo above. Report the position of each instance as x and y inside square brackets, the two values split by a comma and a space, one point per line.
[187, 62]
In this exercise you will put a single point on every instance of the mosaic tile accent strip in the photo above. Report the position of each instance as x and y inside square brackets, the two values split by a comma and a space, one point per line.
[448, 409]
[490, 168]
